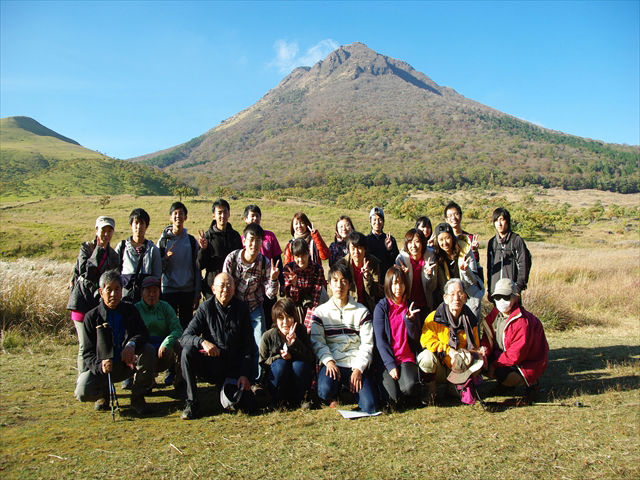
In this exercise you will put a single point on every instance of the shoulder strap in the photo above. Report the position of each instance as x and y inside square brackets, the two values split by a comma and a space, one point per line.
[123, 245]
[194, 254]
[162, 245]
[140, 261]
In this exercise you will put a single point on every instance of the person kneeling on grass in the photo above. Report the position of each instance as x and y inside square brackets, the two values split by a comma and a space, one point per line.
[130, 338]
[287, 356]
[164, 330]
[218, 346]
[448, 330]
[514, 342]
[342, 338]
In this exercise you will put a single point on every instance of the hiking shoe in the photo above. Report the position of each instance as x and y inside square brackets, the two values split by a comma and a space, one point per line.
[102, 404]
[168, 379]
[191, 410]
[139, 404]
[532, 392]
[127, 384]
[428, 394]
[258, 390]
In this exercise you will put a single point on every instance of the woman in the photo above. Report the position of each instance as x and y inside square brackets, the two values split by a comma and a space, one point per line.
[287, 356]
[95, 258]
[338, 249]
[454, 263]
[424, 225]
[418, 263]
[365, 271]
[397, 338]
[301, 227]
[139, 257]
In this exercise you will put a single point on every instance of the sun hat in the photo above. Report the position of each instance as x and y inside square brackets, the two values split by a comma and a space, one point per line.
[464, 365]
[230, 394]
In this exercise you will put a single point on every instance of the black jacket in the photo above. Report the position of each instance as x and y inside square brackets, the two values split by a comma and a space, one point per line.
[134, 330]
[233, 336]
[220, 244]
[508, 257]
[378, 249]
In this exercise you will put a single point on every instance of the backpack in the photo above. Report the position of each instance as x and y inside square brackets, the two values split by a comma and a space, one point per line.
[162, 245]
[134, 285]
[527, 256]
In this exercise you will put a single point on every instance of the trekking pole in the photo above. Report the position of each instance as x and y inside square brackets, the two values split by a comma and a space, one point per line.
[104, 351]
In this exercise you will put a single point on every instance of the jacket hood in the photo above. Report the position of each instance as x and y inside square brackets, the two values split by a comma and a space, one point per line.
[214, 230]
[168, 232]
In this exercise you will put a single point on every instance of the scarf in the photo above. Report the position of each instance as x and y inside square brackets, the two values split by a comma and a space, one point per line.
[466, 321]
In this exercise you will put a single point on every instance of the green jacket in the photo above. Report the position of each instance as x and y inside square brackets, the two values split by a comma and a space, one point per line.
[162, 323]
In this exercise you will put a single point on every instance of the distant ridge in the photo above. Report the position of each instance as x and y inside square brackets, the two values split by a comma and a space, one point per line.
[373, 120]
[28, 124]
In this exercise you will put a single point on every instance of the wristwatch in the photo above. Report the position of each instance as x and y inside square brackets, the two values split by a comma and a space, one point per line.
[132, 343]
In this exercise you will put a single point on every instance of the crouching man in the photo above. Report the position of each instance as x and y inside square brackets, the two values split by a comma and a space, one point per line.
[130, 338]
[514, 342]
[218, 346]
[164, 331]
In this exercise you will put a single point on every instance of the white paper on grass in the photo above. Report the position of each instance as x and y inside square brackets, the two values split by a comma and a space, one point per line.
[355, 414]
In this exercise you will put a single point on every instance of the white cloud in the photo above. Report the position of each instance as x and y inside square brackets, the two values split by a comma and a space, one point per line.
[287, 57]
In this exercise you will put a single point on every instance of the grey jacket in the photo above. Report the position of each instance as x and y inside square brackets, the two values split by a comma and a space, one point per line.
[178, 273]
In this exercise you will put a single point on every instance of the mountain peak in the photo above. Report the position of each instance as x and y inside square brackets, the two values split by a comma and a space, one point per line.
[30, 125]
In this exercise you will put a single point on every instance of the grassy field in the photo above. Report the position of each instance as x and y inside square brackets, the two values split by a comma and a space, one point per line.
[588, 299]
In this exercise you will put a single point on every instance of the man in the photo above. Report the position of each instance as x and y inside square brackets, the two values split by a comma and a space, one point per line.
[448, 329]
[453, 216]
[180, 274]
[513, 342]
[164, 330]
[507, 255]
[342, 338]
[382, 246]
[364, 269]
[216, 243]
[130, 338]
[254, 277]
[218, 346]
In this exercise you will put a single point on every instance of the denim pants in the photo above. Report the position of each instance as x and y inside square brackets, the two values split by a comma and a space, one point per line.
[259, 327]
[289, 380]
[328, 388]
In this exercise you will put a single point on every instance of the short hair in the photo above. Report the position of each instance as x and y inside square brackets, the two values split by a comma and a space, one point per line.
[299, 247]
[343, 269]
[451, 281]
[220, 203]
[177, 205]
[284, 307]
[501, 212]
[251, 209]
[109, 277]
[140, 215]
[410, 235]
[451, 205]
[395, 273]
[301, 217]
[357, 239]
[424, 221]
[255, 230]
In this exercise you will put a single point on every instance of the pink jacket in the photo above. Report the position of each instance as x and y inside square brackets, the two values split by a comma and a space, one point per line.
[524, 341]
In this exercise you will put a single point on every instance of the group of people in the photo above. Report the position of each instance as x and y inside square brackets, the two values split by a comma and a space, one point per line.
[386, 324]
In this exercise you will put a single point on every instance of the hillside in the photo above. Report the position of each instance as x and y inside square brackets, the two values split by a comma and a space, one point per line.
[36, 161]
[361, 118]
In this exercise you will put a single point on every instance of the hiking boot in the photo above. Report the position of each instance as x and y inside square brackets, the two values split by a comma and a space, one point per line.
[139, 404]
[532, 392]
[428, 394]
[102, 404]
[127, 384]
[191, 410]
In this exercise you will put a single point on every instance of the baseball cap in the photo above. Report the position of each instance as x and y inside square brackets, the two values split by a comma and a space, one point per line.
[150, 282]
[505, 286]
[376, 211]
[104, 221]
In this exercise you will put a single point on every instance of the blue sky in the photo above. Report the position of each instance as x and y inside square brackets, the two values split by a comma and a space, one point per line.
[130, 78]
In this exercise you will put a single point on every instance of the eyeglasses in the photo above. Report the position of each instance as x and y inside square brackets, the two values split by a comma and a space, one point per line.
[458, 295]
[502, 297]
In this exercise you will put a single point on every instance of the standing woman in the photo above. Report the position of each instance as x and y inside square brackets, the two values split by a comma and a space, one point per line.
[301, 227]
[339, 249]
[424, 225]
[139, 257]
[395, 326]
[418, 263]
[95, 258]
[454, 263]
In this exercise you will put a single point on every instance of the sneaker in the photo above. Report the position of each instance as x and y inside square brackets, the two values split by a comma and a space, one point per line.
[102, 404]
[139, 404]
[532, 392]
[334, 404]
[258, 390]
[168, 379]
[191, 410]
[127, 384]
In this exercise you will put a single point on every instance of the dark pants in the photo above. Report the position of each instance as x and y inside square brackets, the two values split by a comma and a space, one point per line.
[408, 383]
[329, 388]
[182, 303]
[289, 380]
[214, 370]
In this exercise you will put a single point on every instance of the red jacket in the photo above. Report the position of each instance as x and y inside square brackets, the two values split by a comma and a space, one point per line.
[524, 341]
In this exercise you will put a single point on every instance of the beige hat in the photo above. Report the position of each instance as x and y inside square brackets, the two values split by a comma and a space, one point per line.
[104, 221]
[505, 286]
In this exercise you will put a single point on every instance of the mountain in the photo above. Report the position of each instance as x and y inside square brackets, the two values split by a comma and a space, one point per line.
[36, 161]
[362, 117]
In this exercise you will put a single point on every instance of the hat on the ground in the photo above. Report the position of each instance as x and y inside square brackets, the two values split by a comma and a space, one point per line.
[376, 211]
[150, 282]
[505, 286]
[104, 221]
[230, 394]
[464, 365]
[444, 227]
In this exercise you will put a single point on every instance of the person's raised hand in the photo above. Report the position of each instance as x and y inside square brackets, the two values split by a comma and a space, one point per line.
[275, 269]
[474, 243]
[464, 265]
[388, 242]
[169, 252]
[202, 240]
[312, 230]
[365, 269]
[429, 266]
[411, 312]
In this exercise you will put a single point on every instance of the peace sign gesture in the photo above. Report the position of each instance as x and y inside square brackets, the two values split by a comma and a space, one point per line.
[365, 269]
[465, 264]
[388, 242]
[474, 243]
[275, 270]
[293, 278]
[429, 266]
[202, 240]
[411, 312]
[312, 230]
[169, 253]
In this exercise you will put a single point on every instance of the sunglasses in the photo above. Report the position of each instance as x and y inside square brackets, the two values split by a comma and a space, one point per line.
[502, 297]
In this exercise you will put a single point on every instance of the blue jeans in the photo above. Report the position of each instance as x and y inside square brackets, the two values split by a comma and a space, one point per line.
[259, 327]
[289, 380]
[328, 388]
